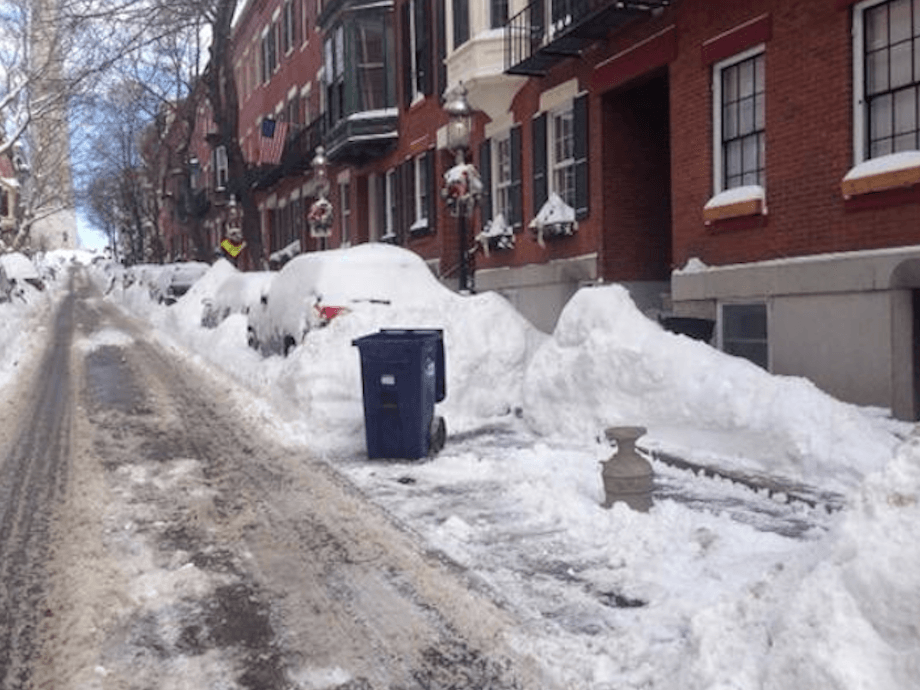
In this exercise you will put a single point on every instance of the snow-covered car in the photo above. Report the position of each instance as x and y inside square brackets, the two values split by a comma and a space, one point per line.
[314, 288]
[176, 279]
[237, 294]
[17, 275]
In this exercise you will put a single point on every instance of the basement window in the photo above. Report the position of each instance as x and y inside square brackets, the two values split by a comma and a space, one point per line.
[743, 332]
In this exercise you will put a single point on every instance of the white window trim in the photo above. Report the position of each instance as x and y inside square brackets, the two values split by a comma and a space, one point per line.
[859, 80]
[288, 35]
[416, 94]
[345, 211]
[389, 191]
[552, 165]
[421, 222]
[496, 183]
[717, 168]
[221, 165]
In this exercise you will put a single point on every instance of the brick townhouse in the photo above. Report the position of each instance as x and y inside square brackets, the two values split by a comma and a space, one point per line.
[754, 164]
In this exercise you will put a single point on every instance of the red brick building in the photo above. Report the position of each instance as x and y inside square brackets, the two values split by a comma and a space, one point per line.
[725, 150]
[756, 164]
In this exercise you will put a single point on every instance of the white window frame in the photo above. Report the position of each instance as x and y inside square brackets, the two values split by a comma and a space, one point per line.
[420, 174]
[718, 171]
[265, 73]
[417, 95]
[860, 152]
[566, 165]
[221, 168]
[501, 188]
[287, 27]
[391, 201]
[345, 212]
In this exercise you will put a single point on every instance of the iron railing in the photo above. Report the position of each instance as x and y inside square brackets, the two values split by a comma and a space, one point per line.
[561, 28]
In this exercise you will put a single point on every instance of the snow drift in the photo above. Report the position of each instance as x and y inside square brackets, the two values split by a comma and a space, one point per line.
[608, 365]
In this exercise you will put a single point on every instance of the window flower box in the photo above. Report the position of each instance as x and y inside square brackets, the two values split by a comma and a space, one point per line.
[496, 234]
[894, 171]
[555, 219]
[738, 202]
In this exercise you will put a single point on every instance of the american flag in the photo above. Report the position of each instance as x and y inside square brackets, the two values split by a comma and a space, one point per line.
[271, 143]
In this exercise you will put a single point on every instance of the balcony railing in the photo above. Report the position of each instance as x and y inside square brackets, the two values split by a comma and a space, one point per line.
[301, 146]
[548, 31]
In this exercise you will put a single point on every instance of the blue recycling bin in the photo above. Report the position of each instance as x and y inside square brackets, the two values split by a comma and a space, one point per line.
[402, 373]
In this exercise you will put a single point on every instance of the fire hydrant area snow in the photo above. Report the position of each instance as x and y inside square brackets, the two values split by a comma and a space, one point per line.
[718, 585]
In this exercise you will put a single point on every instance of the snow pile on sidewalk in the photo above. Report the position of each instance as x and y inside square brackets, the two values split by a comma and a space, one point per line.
[844, 617]
[609, 365]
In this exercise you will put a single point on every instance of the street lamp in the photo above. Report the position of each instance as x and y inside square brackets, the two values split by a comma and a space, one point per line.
[320, 214]
[462, 184]
[459, 123]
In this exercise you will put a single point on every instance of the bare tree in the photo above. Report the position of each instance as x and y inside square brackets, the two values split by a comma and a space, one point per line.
[55, 53]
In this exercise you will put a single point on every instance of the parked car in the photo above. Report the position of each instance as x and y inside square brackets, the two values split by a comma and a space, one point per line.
[176, 279]
[165, 283]
[237, 294]
[18, 275]
[314, 288]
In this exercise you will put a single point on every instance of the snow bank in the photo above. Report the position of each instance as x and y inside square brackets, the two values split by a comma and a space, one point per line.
[487, 347]
[488, 344]
[608, 365]
[846, 617]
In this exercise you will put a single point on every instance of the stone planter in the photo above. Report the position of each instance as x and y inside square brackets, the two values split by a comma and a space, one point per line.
[627, 475]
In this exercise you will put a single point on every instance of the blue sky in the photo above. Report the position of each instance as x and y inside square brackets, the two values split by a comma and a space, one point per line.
[90, 236]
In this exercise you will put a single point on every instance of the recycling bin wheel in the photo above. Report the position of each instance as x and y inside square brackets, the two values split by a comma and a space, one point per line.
[437, 435]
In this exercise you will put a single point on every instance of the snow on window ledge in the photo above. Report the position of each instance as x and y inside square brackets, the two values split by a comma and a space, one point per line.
[879, 174]
[750, 200]
[496, 234]
[419, 227]
[555, 219]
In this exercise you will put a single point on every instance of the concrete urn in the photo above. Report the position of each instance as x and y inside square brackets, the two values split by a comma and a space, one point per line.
[627, 475]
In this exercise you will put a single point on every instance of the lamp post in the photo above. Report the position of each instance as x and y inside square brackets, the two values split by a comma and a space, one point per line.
[320, 214]
[462, 184]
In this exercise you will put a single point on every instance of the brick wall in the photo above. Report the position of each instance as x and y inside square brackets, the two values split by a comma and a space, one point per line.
[808, 131]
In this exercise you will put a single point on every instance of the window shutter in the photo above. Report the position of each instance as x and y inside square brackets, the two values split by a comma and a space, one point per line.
[399, 222]
[517, 201]
[432, 210]
[441, 33]
[408, 199]
[540, 189]
[580, 122]
[406, 27]
[423, 45]
[485, 174]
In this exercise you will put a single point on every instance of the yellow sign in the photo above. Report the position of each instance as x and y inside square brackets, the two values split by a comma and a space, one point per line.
[232, 248]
